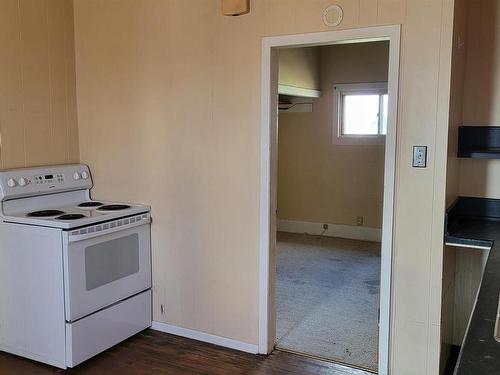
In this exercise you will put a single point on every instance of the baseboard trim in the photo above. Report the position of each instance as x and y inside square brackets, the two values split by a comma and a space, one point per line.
[205, 337]
[334, 230]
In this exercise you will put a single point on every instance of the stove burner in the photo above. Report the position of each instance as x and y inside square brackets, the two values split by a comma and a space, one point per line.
[113, 207]
[45, 213]
[70, 217]
[90, 204]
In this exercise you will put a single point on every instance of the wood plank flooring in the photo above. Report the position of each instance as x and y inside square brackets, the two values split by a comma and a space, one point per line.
[152, 352]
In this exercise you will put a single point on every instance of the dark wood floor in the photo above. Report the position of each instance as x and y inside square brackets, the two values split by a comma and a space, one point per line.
[152, 352]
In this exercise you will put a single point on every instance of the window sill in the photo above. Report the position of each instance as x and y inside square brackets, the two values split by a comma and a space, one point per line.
[359, 140]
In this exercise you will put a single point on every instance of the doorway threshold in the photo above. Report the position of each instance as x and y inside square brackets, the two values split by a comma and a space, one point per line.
[343, 368]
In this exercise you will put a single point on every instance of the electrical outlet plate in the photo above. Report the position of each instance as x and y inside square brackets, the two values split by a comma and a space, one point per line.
[419, 157]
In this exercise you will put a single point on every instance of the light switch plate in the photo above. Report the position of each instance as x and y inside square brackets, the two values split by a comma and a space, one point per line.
[419, 156]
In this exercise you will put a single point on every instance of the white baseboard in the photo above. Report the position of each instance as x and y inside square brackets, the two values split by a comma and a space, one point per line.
[334, 230]
[205, 337]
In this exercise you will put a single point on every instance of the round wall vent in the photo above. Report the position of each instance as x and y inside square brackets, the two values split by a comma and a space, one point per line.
[333, 15]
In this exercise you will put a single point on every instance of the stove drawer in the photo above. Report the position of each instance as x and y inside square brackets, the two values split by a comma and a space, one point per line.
[93, 334]
[102, 270]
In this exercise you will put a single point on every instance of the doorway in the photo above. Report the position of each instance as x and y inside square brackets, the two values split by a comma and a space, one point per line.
[331, 140]
[269, 243]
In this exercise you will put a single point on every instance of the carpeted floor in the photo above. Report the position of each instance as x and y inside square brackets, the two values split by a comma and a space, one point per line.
[327, 292]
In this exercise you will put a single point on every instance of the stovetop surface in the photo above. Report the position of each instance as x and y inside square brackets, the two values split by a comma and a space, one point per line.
[75, 214]
[56, 196]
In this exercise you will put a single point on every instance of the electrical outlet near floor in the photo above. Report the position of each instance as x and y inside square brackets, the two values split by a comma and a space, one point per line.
[359, 220]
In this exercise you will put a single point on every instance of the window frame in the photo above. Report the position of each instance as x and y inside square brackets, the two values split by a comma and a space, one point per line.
[339, 91]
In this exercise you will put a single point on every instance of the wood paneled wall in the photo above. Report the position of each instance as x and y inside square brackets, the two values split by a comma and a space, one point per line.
[38, 120]
[169, 114]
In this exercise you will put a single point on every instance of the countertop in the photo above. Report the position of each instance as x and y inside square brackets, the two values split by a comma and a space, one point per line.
[479, 227]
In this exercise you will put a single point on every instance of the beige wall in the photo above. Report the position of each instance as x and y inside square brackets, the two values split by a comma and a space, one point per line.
[471, 177]
[299, 67]
[38, 122]
[322, 182]
[482, 94]
[168, 96]
[452, 257]
[169, 106]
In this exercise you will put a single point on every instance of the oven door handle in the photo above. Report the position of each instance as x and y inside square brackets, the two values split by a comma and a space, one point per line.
[108, 228]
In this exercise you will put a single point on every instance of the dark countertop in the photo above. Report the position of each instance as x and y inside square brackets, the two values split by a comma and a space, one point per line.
[480, 352]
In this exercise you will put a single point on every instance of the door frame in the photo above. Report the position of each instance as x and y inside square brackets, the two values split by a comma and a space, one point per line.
[268, 173]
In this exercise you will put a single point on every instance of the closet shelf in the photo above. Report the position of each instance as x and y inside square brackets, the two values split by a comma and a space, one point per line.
[298, 91]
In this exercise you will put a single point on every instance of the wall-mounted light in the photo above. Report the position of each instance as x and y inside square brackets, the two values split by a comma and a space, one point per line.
[235, 7]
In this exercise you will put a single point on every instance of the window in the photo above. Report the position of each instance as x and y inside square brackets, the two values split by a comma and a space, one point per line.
[360, 113]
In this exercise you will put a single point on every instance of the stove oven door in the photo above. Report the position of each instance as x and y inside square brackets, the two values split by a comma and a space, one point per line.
[106, 263]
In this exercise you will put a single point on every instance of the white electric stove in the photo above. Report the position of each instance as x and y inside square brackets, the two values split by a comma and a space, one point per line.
[75, 274]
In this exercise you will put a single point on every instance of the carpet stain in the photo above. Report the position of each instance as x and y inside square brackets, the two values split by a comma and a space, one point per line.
[373, 286]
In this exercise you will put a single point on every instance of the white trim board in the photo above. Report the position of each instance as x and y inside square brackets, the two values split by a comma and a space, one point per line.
[298, 91]
[205, 337]
[268, 173]
[334, 230]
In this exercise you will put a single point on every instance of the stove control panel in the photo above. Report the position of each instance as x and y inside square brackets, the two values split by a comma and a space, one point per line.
[49, 179]
[25, 182]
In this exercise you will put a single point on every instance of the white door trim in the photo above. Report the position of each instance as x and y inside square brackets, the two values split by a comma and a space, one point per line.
[268, 173]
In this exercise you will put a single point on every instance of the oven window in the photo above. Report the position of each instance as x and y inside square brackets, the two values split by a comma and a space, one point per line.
[111, 260]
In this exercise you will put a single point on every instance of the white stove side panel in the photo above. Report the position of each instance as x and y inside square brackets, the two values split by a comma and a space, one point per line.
[32, 321]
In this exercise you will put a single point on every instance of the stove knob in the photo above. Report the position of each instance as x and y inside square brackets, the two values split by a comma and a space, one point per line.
[85, 175]
[11, 182]
[76, 176]
[22, 181]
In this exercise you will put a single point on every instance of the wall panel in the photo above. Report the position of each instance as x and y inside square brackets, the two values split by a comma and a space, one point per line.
[12, 152]
[169, 106]
[452, 256]
[37, 84]
[481, 93]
